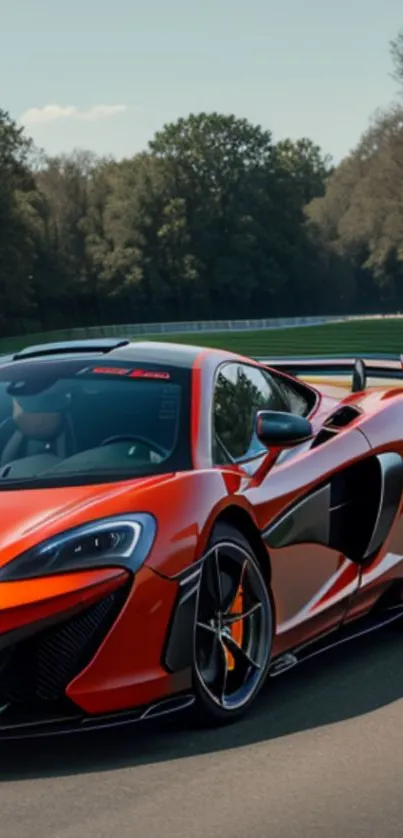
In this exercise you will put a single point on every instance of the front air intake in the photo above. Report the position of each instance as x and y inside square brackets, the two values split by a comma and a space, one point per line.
[39, 668]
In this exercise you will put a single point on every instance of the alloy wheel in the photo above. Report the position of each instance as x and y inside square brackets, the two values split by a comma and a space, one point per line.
[233, 627]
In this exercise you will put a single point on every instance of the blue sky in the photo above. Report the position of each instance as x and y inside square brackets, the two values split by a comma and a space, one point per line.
[106, 75]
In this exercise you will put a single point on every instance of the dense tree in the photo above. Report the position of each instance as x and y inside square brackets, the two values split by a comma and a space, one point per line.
[396, 50]
[213, 220]
[17, 209]
[361, 215]
[208, 222]
[242, 197]
[216, 148]
[67, 209]
[306, 165]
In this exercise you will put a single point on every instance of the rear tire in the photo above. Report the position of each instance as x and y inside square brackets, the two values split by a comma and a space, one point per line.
[233, 629]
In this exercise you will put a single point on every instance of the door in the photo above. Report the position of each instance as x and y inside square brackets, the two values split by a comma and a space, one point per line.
[299, 505]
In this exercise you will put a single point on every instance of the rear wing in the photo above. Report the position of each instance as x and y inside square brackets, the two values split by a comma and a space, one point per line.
[359, 369]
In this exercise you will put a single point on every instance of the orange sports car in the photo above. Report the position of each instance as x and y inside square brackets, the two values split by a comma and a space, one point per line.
[179, 523]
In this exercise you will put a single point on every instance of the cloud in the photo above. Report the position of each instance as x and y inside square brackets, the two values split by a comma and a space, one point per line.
[52, 113]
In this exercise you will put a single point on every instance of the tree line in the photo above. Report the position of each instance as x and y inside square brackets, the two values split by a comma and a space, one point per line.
[213, 220]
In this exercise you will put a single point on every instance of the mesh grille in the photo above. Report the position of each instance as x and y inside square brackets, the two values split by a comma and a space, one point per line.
[39, 669]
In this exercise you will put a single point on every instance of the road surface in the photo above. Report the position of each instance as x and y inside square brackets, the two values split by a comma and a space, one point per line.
[320, 755]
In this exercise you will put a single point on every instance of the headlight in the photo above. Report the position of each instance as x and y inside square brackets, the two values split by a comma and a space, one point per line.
[121, 541]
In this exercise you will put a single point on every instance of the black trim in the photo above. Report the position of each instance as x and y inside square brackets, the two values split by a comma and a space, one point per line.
[376, 366]
[97, 345]
[62, 723]
[308, 521]
[161, 352]
[391, 475]
[178, 651]
[375, 621]
[352, 512]
[185, 575]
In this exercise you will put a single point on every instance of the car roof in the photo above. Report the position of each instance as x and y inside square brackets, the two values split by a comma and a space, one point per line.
[117, 349]
[161, 352]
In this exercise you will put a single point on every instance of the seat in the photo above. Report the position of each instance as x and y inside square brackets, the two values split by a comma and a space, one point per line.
[22, 445]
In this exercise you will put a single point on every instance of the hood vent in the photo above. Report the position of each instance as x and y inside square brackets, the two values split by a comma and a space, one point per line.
[340, 419]
[343, 417]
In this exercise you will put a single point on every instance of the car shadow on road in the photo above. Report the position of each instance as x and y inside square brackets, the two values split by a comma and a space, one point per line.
[356, 679]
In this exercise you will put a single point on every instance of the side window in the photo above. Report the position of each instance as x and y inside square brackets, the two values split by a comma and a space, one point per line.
[240, 391]
[296, 402]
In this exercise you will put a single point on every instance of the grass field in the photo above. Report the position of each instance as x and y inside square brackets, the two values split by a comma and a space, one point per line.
[365, 336]
[351, 337]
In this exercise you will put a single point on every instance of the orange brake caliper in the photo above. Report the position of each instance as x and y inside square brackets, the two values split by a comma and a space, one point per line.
[236, 628]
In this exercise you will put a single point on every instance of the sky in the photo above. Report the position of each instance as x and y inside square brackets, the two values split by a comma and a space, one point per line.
[105, 75]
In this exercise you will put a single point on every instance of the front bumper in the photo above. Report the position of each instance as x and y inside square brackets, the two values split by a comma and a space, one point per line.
[39, 667]
[50, 630]
[79, 651]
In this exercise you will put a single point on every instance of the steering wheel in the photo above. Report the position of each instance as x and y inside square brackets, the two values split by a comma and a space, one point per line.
[142, 440]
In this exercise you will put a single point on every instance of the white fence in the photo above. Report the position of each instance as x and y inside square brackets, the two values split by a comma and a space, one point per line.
[193, 327]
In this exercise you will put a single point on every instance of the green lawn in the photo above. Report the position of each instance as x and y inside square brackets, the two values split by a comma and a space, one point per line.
[365, 336]
[368, 336]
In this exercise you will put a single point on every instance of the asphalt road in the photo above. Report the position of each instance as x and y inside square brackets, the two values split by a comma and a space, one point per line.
[320, 755]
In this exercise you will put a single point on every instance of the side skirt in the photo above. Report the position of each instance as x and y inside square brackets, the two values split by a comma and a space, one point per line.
[333, 639]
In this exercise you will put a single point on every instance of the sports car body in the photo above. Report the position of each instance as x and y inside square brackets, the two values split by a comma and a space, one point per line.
[179, 523]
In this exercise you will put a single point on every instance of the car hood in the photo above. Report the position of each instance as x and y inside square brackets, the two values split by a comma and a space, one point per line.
[29, 516]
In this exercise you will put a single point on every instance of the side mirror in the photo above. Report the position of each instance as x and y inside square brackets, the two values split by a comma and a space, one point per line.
[282, 430]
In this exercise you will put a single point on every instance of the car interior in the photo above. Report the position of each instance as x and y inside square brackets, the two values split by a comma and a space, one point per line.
[136, 423]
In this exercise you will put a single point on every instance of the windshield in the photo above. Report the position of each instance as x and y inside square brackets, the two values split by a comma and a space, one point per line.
[66, 422]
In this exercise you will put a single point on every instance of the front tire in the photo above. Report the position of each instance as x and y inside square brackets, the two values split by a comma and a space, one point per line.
[233, 629]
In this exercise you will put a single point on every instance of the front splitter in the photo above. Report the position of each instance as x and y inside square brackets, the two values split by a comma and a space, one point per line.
[63, 724]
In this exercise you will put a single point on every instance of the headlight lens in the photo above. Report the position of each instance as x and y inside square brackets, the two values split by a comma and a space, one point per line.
[119, 541]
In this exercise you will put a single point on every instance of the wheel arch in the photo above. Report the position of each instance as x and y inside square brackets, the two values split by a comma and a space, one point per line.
[177, 653]
[240, 519]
